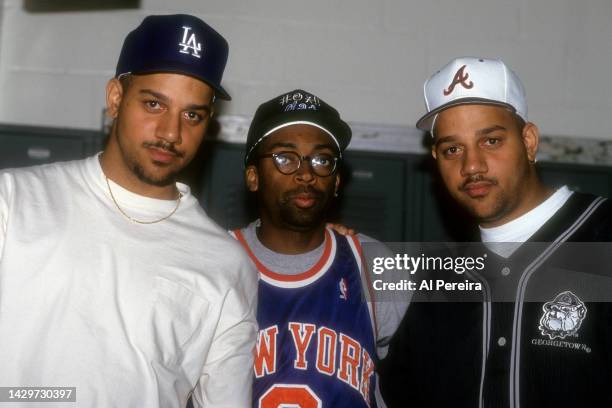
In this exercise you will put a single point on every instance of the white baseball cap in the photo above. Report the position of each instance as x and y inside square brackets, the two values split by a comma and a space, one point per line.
[471, 80]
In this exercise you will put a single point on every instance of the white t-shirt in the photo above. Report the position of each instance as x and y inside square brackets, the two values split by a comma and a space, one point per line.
[131, 315]
[506, 238]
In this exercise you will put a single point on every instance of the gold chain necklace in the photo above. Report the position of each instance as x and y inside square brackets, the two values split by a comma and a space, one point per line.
[178, 202]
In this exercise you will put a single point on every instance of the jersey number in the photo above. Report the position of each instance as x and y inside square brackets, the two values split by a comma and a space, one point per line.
[289, 396]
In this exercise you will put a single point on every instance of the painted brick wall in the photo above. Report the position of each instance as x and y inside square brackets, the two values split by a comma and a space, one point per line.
[369, 58]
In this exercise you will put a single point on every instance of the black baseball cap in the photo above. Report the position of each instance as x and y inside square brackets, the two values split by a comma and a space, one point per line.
[293, 108]
[177, 43]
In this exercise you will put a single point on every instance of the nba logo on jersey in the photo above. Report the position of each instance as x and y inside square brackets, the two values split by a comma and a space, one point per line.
[343, 289]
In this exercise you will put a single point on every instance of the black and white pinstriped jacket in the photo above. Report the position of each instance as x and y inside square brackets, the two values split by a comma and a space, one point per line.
[512, 347]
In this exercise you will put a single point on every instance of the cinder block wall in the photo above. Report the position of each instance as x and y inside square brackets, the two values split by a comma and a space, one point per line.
[368, 57]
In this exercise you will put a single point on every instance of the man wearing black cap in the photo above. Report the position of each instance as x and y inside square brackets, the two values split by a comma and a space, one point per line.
[113, 280]
[318, 325]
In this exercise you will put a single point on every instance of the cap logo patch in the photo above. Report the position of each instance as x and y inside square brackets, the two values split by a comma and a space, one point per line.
[461, 78]
[299, 101]
[562, 316]
[189, 44]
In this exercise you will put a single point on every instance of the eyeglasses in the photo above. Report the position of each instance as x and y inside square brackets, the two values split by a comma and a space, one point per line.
[323, 165]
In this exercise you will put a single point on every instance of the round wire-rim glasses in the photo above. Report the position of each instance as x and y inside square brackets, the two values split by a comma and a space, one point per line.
[322, 164]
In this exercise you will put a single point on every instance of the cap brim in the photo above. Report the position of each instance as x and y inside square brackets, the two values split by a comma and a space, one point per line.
[219, 91]
[291, 123]
[338, 130]
[304, 122]
[425, 122]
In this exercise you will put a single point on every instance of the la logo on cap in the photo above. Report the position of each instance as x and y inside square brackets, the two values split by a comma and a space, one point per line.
[460, 78]
[190, 45]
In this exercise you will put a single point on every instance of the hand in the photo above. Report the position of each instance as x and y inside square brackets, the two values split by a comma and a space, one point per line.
[341, 229]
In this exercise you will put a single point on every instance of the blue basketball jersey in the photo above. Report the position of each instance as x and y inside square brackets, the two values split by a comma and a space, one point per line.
[316, 345]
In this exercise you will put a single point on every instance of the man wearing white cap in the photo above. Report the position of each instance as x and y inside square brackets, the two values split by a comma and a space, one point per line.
[475, 108]
[541, 334]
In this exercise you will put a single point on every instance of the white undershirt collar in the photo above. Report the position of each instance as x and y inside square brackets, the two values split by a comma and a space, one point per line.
[522, 228]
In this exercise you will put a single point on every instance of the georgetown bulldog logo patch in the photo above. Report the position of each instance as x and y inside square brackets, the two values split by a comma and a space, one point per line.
[563, 316]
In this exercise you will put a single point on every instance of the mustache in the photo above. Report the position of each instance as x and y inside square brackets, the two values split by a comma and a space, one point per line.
[477, 179]
[165, 146]
[310, 190]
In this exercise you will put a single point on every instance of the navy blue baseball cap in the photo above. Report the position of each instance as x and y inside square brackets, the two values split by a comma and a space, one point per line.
[178, 43]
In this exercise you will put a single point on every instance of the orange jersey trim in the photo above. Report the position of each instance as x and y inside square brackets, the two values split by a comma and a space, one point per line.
[288, 278]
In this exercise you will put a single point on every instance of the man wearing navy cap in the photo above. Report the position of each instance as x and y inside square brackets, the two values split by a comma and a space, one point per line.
[321, 332]
[113, 280]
